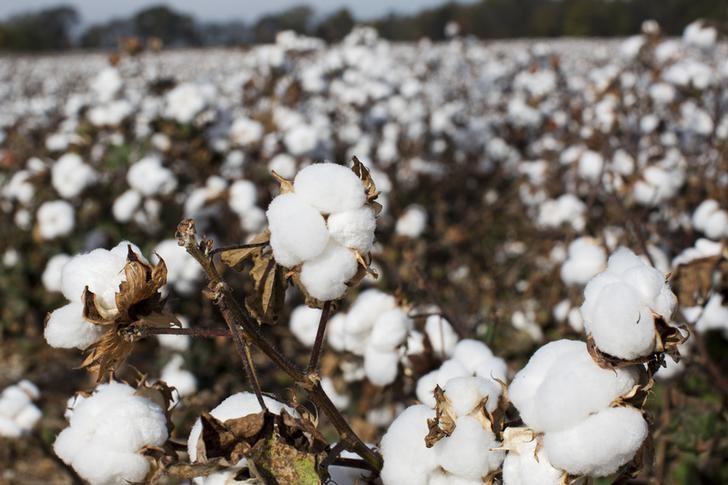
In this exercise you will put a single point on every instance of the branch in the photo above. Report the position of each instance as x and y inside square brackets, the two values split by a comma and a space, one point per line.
[192, 332]
[313, 362]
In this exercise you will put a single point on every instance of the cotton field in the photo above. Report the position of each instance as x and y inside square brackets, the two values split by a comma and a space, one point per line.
[420, 263]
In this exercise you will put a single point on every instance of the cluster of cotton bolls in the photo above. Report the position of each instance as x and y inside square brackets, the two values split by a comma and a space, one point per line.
[18, 414]
[325, 225]
[107, 432]
[622, 303]
[585, 258]
[711, 220]
[148, 179]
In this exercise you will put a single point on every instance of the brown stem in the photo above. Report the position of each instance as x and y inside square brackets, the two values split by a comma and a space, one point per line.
[192, 332]
[246, 328]
[313, 362]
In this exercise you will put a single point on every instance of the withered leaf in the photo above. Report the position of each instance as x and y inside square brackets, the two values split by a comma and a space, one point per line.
[693, 281]
[269, 280]
[365, 176]
[443, 424]
[236, 257]
[107, 353]
[142, 281]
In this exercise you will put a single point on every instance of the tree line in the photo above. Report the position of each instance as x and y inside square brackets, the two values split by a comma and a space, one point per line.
[58, 28]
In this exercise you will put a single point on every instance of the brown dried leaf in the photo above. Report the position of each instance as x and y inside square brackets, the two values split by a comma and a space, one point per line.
[286, 185]
[235, 258]
[693, 281]
[362, 172]
[107, 353]
[270, 288]
[142, 281]
[443, 424]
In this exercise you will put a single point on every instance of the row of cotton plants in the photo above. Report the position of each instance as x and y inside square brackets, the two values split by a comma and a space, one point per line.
[420, 263]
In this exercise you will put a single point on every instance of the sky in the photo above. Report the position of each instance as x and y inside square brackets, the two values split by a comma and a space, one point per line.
[100, 10]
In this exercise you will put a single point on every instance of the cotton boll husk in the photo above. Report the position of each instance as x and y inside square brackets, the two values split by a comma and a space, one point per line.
[465, 393]
[66, 328]
[330, 188]
[390, 330]
[620, 325]
[304, 324]
[326, 275]
[354, 228]
[367, 307]
[381, 366]
[407, 461]
[441, 335]
[465, 452]
[521, 467]
[600, 444]
[52, 273]
[297, 229]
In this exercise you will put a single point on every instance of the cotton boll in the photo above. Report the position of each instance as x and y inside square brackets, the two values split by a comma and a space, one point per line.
[524, 466]
[441, 335]
[390, 330]
[66, 328]
[51, 277]
[304, 324]
[586, 258]
[593, 289]
[18, 414]
[242, 196]
[284, 165]
[426, 384]
[479, 359]
[646, 280]
[330, 188]
[184, 102]
[69, 175]
[55, 219]
[353, 229]
[381, 366]
[600, 444]
[175, 376]
[441, 477]
[232, 407]
[150, 178]
[326, 275]
[245, 132]
[412, 222]
[407, 461]
[298, 232]
[590, 165]
[367, 307]
[126, 205]
[466, 452]
[465, 393]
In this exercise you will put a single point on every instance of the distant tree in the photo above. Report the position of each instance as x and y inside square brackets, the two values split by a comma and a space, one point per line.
[336, 26]
[298, 19]
[173, 28]
[48, 29]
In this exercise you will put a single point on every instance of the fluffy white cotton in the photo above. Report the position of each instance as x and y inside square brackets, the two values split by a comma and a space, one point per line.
[126, 205]
[184, 381]
[183, 271]
[441, 335]
[340, 400]
[184, 102]
[232, 407]
[714, 316]
[619, 304]
[304, 324]
[586, 257]
[567, 209]
[284, 165]
[380, 366]
[106, 84]
[561, 386]
[326, 275]
[245, 132]
[590, 165]
[365, 310]
[354, 228]
[66, 328]
[242, 196]
[465, 453]
[55, 219]
[600, 444]
[523, 466]
[298, 231]
[51, 277]
[467, 393]
[18, 414]
[412, 222]
[330, 188]
[406, 459]
[149, 177]
[69, 175]
[700, 35]
[390, 330]
[711, 220]
[106, 432]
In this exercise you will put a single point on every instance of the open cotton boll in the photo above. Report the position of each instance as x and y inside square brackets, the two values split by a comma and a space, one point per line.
[242, 196]
[232, 407]
[586, 258]
[600, 444]
[590, 165]
[523, 466]
[66, 328]
[18, 414]
[51, 277]
[367, 308]
[714, 316]
[183, 271]
[441, 335]
[478, 359]
[175, 376]
[149, 177]
[466, 452]
[245, 131]
[407, 461]
[326, 275]
[710, 219]
[298, 231]
[69, 175]
[55, 219]
[304, 324]
[380, 366]
[354, 228]
[412, 222]
[106, 433]
[126, 205]
[426, 384]
[466, 393]
[184, 102]
[390, 330]
[330, 188]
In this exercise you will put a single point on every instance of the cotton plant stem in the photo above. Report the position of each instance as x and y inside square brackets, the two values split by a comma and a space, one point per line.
[246, 327]
[192, 332]
[313, 362]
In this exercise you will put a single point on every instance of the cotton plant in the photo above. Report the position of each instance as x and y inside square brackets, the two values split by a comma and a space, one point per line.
[18, 414]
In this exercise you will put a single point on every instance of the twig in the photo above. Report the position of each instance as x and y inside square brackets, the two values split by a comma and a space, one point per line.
[313, 362]
[192, 332]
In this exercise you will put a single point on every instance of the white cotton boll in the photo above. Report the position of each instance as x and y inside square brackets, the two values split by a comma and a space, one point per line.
[253, 220]
[336, 332]
[245, 132]
[111, 467]
[466, 452]
[716, 226]
[69, 175]
[623, 162]
[472, 354]
[622, 260]
[106, 84]
[576, 321]
[149, 177]
[55, 219]
[441, 335]
[586, 258]
[330, 188]
[301, 140]
[412, 222]
[326, 275]
[51, 277]
[646, 280]
[524, 466]
[407, 461]
[367, 307]
[184, 102]
[298, 232]
[466, 393]
[183, 270]
[242, 196]
[619, 323]
[590, 165]
[126, 205]
[284, 165]
[232, 407]
[27, 418]
[714, 316]
[600, 444]
[175, 376]
[700, 35]
[381, 366]
[450, 369]
[390, 330]
[353, 229]
[592, 290]
[441, 477]
[304, 324]
[66, 328]
[703, 211]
